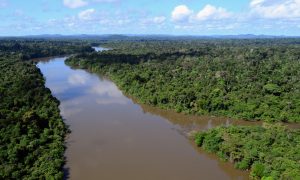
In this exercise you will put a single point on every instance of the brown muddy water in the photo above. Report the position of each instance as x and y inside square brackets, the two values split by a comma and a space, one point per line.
[115, 138]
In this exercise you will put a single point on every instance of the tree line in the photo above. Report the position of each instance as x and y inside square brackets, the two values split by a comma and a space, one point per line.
[269, 152]
[30, 49]
[243, 81]
[32, 130]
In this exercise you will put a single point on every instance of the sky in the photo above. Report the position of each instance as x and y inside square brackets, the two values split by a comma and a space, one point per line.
[173, 17]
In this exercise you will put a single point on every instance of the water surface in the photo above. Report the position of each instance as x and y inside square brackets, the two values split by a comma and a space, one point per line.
[115, 138]
[99, 49]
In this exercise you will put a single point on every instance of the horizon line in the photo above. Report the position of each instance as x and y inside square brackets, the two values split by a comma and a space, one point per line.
[137, 35]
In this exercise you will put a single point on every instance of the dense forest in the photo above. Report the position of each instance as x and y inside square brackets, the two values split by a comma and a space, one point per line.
[242, 79]
[34, 48]
[31, 129]
[251, 79]
[270, 152]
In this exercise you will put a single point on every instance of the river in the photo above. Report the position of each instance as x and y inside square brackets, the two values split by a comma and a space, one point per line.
[115, 138]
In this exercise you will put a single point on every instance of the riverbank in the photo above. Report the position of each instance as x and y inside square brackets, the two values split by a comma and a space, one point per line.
[111, 133]
[199, 84]
[153, 82]
[268, 151]
[244, 161]
[31, 129]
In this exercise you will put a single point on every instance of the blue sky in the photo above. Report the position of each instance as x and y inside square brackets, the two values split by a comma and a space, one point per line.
[176, 17]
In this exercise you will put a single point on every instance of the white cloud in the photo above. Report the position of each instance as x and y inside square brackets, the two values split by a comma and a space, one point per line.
[276, 8]
[181, 13]
[86, 14]
[75, 3]
[212, 12]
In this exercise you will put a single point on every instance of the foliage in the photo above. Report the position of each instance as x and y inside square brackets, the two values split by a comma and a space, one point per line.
[31, 129]
[246, 79]
[29, 49]
[269, 152]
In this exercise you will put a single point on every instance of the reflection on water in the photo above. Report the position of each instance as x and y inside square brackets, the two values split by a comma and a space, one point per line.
[73, 86]
[187, 123]
[99, 49]
[114, 138]
[77, 79]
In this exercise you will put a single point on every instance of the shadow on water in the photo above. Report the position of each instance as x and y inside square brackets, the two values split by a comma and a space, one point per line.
[188, 123]
[66, 173]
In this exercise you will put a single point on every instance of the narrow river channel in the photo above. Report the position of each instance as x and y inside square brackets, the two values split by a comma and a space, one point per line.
[115, 138]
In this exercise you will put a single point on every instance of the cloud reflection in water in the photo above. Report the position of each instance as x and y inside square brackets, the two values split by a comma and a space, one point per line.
[108, 93]
[79, 87]
[78, 79]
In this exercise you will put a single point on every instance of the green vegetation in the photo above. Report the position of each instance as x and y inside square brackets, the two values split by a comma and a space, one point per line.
[245, 79]
[269, 152]
[248, 79]
[31, 129]
[29, 49]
